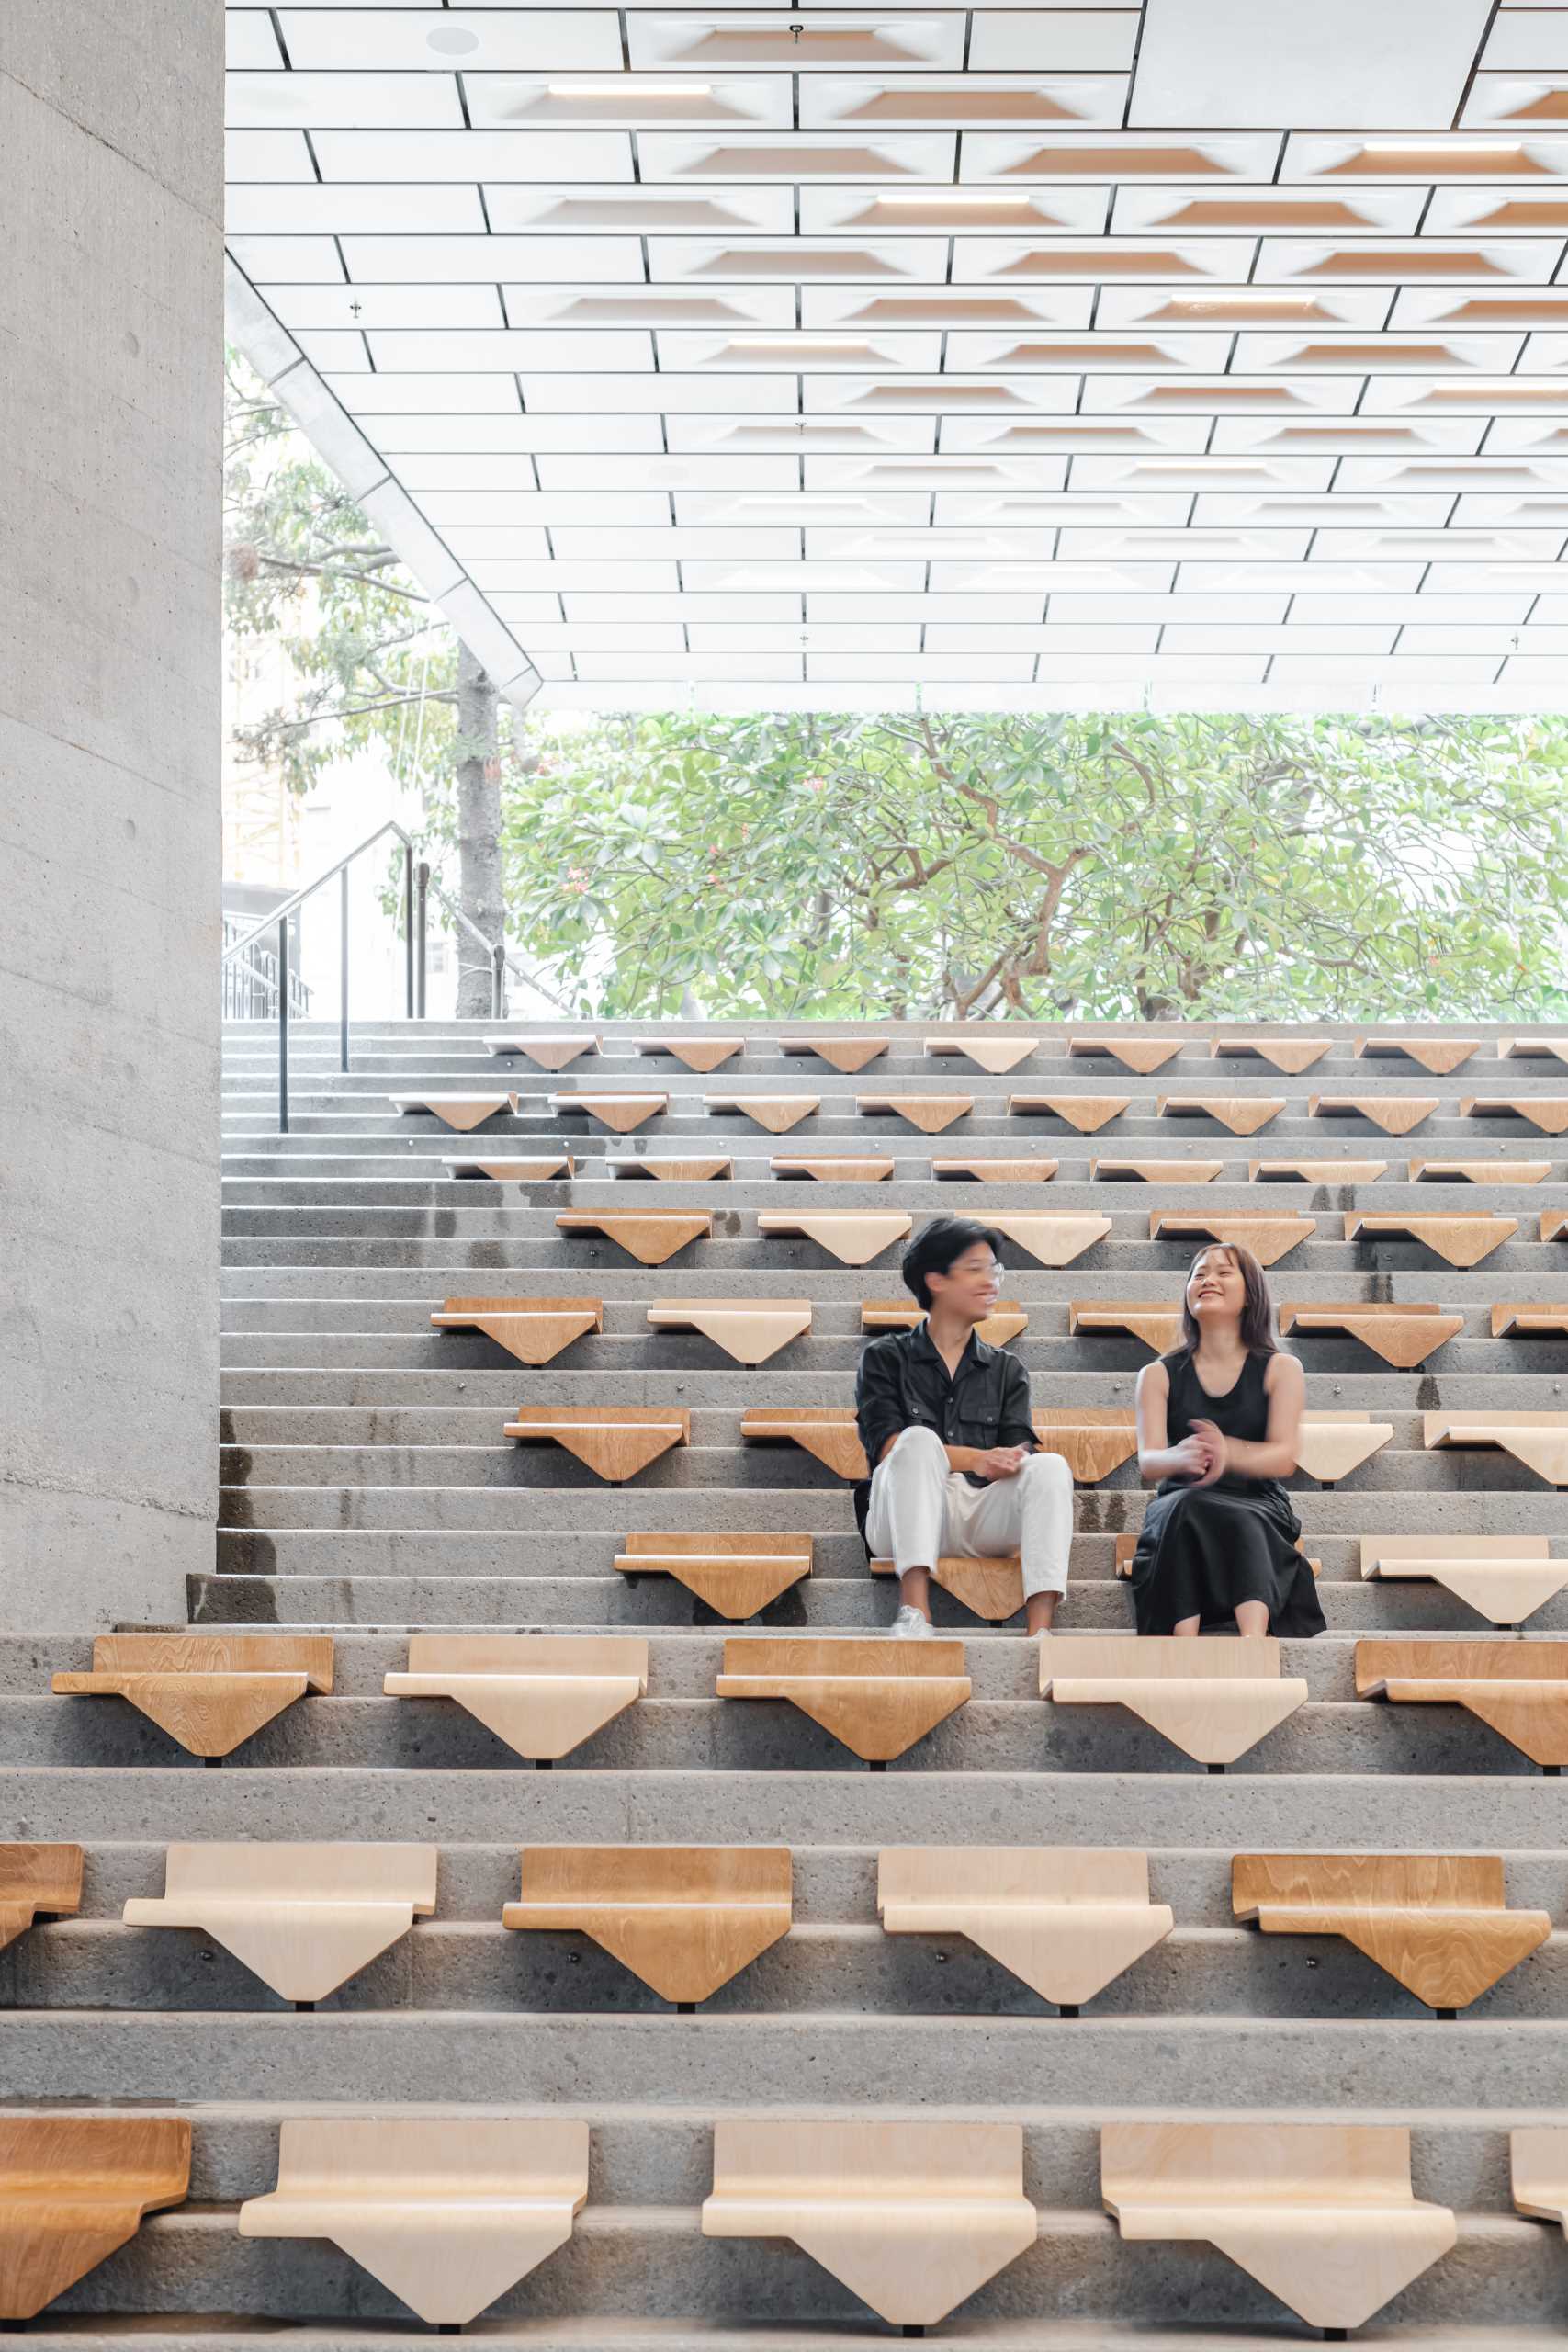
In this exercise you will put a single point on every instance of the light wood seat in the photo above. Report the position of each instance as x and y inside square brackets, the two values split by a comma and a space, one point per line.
[1538, 1440]
[1105, 1171]
[1005, 1321]
[1212, 1698]
[1532, 1049]
[1549, 1112]
[536, 1170]
[994, 1171]
[995, 1048]
[912, 2216]
[37, 1882]
[1523, 1318]
[988, 1585]
[1401, 1334]
[73, 2188]
[1460, 1240]
[699, 1053]
[1126, 1547]
[1143, 1055]
[749, 1331]
[1242, 1113]
[1554, 1225]
[1537, 2163]
[209, 1692]
[1519, 1686]
[1436, 1055]
[620, 1111]
[546, 1053]
[534, 1330]
[1503, 1578]
[651, 1239]
[852, 1235]
[827, 1432]
[932, 1113]
[461, 1113]
[876, 1696]
[1051, 1237]
[660, 1168]
[1094, 1440]
[684, 1918]
[775, 1113]
[1316, 1171]
[1437, 1923]
[447, 2212]
[1270, 1238]
[1396, 1114]
[1086, 1113]
[544, 1695]
[613, 1441]
[1320, 2214]
[1153, 1321]
[1480, 1172]
[1331, 1446]
[833, 1170]
[735, 1575]
[1066, 1921]
[847, 1055]
[303, 1919]
[1289, 1055]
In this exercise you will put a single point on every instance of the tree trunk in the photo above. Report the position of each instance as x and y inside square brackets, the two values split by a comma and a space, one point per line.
[478, 834]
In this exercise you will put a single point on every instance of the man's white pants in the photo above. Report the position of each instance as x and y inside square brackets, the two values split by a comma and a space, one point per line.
[920, 1510]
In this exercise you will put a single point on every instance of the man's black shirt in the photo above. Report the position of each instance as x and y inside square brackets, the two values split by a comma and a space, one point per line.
[904, 1384]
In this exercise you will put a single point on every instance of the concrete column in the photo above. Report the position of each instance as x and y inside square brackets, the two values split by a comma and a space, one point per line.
[111, 339]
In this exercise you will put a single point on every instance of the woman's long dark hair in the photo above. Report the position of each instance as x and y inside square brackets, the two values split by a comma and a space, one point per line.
[1257, 1308]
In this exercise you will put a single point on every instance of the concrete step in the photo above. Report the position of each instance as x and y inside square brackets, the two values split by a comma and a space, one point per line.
[692, 2333]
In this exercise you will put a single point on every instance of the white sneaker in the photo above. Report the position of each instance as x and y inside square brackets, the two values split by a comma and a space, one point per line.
[910, 1626]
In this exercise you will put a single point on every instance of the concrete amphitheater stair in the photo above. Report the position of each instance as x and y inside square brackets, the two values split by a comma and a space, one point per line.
[899, 1943]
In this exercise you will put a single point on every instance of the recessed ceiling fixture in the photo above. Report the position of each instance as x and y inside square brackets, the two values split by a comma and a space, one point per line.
[452, 40]
[979, 199]
[629, 89]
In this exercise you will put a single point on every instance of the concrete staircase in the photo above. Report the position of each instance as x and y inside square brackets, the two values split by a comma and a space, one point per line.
[368, 1488]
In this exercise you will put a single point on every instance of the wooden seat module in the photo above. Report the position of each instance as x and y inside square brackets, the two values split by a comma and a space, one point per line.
[1212, 1698]
[1066, 1921]
[1479, 1171]
[461, 1113]
[1051, 1237]
[1290, 1055]
[1106, 1170]
[1270, 1238]
[1396, 1114]
[1549, 1112]
[876, 1696]
[684, 1918]
[1538, 1440]
[988, 1585]
[828, 1432]
[1437, 1923]
[1153, 1321]
[1519, 1686]
[911, 2216]
[1331, 1446]
[1503, 1578]
[1320, 2214]
[534, 1330]
[1005, 1321]
[546, 1053]
[660, 1168]
[1242, 1113]
[1460, 1240]
[846, 1055]
[852, 1235]
[536, 1170]
[971, 1171]
[303, 1919]
[1524, 1318]
[209, 1692]
[613, 1441]
[1086, 1113]
[1403, 1335]
[995, 1048]
[735, 1575]
[1093, 1440]
[1436, 1055]
[620, 1111]
[652, 1240]
[544, 1695]
[1554, 1225]
[833, 1170]
[1142, 1055]
[447, 2212]
[1538, 2163]
[932, 1113]
[699, 1053]
[1532, 1049]
[37, 1882]
[775, 1113]
[73, 2188]
[749, 1331]
[1316, 1171]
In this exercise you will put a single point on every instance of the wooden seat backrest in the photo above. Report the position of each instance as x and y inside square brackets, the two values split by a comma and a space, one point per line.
[334, 2158]
[656, 1874]
[838, 2159]
[306, 1654]
[1460, 1661]
[1011, 1874]
[704, 1548]
[1359, 1882]
[1255, 2164]
[139, 2159]
[588, 1654]
[828, 1655]
[49, 1877]
[1142, 1658]
[267, 1871]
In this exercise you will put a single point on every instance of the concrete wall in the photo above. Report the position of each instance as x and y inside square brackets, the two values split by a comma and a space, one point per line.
[110, 358]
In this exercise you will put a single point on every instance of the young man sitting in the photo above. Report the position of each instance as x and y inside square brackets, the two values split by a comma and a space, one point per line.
[944, 1419]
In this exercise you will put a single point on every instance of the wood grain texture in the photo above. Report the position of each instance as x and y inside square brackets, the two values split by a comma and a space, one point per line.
[1093, 1440]
[619, 1112]
[1546, 1112]
[1331, 1446]
[1242, 1113]
[1086, 1113]
[1396, 1114]
[685, 1920]
[1438, 1924]
[775, 1113]
[749, 1331]
[1519, 1687]
[537, 1170]
[1479, 1171]
[911, 2216]
[991, 1587]
[1531, 1049]
[1403, 1335]
[708, 1169]
[302, 1918]
[1321, 2214]
[845, 1054]
[734, 1574]
[1052, 1239]
[852, 1235]
[1538, 1440]
[1554, 1225]
[1270, 1238]
[1524, 1318]
[1143, 1054]
[1066, 1921]
[842, 1171]
[1154, 1322]
[1106, 1170]
[932, 1113]
[209, 1692]
[1213, 1698]
[827, 1432]
[461, 1113]
[37, 1881]
[1537, 2163]
[544, 1695]
[1316, 1171]
[1289, 1055]
[545, 1053]
[614, 1440]
[1436, 1055]
[994, 1049]
[73, 2188]
[994, 1171]
[1460, 1238]
[878, 1697]
[652, 1240]
[699, 1053]
[534, 1330]
[1006, 1320]
[447, 2212]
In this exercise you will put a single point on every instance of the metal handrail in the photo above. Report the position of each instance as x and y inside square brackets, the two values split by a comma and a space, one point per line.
[491, 946]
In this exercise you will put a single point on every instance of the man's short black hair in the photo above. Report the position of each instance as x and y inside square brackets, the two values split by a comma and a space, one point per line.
[937, 1248]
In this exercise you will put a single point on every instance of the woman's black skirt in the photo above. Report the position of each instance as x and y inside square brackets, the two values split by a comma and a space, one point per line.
[1204, 1549]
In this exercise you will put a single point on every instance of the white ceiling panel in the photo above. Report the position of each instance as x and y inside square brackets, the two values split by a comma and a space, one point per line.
[536, 101]
[418, 38]
[1071, 101]
[1383, 66]
[407, 101]
[249, 40]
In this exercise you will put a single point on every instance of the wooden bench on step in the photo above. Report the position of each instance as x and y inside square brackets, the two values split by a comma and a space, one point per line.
[877, 1696]
[1523, 1318]
[1093, 1440]
[1438, 1924]
[1320, 2214]
[652, 1241]
[932, 1113]
[852, 1235]
[543, 1694]
[1460, 1240]
[682, 1918]
[1005, 1321]
[1330, 1446]
[447, 2212]
[1396, 1114]
[1538, 1440]
[1537, 2163]
[1519, 1688]
[1154, 1323]
[1066, 1920]
[1401, 1334]
[1051, 1237]
[74, 2187]
[534, 1330]
[1290, 1055]
[749, 1331]
[1316, 1171]
[1503, 1578]
[846, 1055]
[972, 1171]
[1142, 1055]
[1436, 1055]
[988, 1586]
[209, 1692]
[1532, 1049]
[466, 1166]
[1104, 1169]
[1213, 1698]
[1242, 1113]
[546, 1053]
[831, 1171]
[734, 1574]
[1086, 1113]
[461, 1113]
[303, 1919]
[620, 1111]
[1554, 1225]
[1479, 1171]
[1548, 1112]
[36, 1883]
[910, 2215]
[699, 1053]
[776, 1113]
[613, 1441]
[660, 1168]
[1270, 1238]
[995, 1048]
